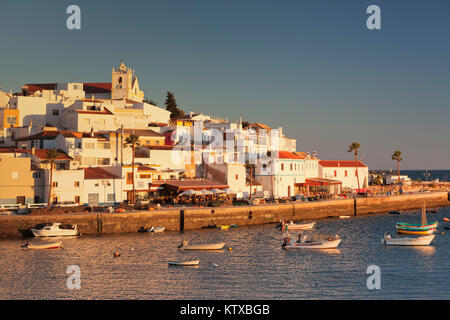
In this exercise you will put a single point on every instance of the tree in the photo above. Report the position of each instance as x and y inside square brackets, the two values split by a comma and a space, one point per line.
[397, 155]
[250, 166]
[132, 141]
[52, 154]
[354, 147]
[171, 105]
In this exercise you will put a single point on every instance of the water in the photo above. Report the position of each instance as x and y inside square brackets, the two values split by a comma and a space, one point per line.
[255, 268]
[442, 175]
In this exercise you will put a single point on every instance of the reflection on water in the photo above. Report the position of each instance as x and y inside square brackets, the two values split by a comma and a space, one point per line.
[256, 267]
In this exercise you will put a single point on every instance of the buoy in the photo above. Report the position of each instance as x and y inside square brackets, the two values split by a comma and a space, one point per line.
[116, 254]
[229, 248]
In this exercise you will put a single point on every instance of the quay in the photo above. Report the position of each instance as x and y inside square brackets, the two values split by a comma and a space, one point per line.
[191, 218]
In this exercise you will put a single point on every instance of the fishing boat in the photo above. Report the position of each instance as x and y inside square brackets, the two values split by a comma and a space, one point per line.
[316, 242]
[52, 245]
[223, 226]
[344, 217]
[201, 246]
[55, 230]
[407, 241]
[153, 229]
[394, 212]
[415, 228]
[296, 226]
[184, 263]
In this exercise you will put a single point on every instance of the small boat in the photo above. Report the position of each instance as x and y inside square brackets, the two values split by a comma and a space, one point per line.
[55, 230]
[316, 242]
[210, 226]
[394, 212]
[344, 217]
[184, 263]
[407, 241]
[152, 229]
[296, 226]
[223, 226]
[52, 245]
[201, 246]
[417, 228]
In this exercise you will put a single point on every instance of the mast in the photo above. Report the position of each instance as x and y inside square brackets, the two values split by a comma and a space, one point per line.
[424, 215]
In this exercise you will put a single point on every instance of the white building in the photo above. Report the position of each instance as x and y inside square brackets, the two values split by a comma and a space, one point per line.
[345, 172]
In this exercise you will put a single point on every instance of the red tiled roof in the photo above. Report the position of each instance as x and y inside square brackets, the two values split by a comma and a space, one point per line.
[258, 126]
[40, 153]
[145, 168]
[98, 173]
[143, 133]
[97, 87]
[33, 87]
[341, 163]
[48, 135]
[289, 155]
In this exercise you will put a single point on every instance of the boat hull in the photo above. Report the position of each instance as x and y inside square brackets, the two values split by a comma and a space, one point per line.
[53, 233]
[413, 226]
[54, 245]
[407, 241]
[184, 263]
[417, 232]
[298, 226]
[209, 246]
[314, 245]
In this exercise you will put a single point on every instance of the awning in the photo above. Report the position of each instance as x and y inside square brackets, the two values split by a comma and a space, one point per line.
[318, 182]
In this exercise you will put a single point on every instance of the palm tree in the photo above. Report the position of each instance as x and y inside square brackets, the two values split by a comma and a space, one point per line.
[132, 141]
[398, 157]
[250, 166]
[354, 147]
[51, 157]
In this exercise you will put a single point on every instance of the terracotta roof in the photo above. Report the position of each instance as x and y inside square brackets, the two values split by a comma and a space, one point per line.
[98, 173]
[145, 168]
[40, 153]
[51, 135]
[258, 126]
[33, 87]
[143, 133]
[289, 155]
[340, 163]
[97, 87]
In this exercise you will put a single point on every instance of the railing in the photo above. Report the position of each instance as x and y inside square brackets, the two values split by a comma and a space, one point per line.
[17, 206]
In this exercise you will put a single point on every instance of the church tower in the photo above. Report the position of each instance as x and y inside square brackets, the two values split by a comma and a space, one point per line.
[124, 84]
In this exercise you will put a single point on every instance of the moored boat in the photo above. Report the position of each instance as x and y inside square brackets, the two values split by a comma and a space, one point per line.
[418, 232]
[316, 242]
[55, 230]
[415, 228]
[201, 246]
[407, 241]
[296, 226]
[394, 212]
[184, 263]
[52, 245]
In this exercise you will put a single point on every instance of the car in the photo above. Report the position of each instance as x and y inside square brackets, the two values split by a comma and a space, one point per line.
[66, 204]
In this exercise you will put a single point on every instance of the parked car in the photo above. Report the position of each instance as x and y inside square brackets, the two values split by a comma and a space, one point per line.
[66, 204]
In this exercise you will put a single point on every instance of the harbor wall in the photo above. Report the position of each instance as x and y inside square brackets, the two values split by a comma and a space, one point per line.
[176, 219]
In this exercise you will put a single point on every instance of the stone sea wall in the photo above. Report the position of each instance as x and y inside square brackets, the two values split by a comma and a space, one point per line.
[176, 219]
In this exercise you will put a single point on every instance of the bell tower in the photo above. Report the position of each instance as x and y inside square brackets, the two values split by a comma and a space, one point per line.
[124, 84]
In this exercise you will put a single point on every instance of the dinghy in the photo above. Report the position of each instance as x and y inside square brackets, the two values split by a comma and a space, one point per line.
[316, 242]
[184, 263]
[52, 245]
[407, 241]
[201, 246]
[296, 226]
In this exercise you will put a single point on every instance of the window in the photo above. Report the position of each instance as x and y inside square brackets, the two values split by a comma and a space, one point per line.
[145, 176]
[11, 120]
[20, 200]
[55, 184]
[157, 143]
[102, 161]
[282, 166]
[88, 161]
[291, 166]
[130, 177]
[77, 199]
[335, 173]
[14, 175]
[236, 177]
[76, 184]
[89, 145]
[345, 173]
[55, 112]
[111, 197]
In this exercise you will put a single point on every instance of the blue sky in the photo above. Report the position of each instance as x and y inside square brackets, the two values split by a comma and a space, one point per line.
[310, 66]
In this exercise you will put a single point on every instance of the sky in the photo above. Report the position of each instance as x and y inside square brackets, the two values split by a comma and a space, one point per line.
[310, 66]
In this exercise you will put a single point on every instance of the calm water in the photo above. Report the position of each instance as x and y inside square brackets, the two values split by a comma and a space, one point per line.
[442, 175]
[255, 268]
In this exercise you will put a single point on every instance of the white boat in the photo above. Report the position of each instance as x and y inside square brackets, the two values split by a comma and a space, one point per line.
[201, 246]
[52, 245]
[157, 229]
[184, 263]
[344, 217]
[407, 241]
[55, 230]
[296, 226]
[317, 242]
